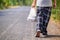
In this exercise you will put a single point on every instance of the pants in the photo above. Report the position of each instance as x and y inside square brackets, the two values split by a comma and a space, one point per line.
[43, 16]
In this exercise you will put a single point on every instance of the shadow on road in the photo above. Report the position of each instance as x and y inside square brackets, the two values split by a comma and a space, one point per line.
[51, 36]
[2, 14]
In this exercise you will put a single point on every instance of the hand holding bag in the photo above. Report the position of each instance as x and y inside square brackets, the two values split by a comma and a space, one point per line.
[32, 15]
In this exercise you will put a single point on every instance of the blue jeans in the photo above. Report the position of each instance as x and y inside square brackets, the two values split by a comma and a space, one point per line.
[43, 16]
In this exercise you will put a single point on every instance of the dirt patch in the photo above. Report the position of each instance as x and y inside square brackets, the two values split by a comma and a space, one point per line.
[56, 22]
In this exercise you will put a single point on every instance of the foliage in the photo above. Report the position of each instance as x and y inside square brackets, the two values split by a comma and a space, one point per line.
[6, 3]
[56, 14]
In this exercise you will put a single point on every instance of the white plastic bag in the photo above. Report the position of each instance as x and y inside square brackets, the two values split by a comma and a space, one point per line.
[32, 15]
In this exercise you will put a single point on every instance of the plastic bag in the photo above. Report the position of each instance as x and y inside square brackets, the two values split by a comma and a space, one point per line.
[32, 15]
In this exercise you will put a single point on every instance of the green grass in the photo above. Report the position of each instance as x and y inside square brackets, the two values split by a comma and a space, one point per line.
[56, 14]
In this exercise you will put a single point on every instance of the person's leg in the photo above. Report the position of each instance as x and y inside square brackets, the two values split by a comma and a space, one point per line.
[46, 16]
[39, 21]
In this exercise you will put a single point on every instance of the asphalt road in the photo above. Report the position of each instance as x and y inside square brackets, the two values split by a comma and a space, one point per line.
[14, 26]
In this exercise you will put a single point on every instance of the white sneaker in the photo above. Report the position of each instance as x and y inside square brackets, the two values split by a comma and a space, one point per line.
[41, 35]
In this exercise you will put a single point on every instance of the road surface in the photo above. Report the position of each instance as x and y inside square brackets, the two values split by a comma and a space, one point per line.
[14, 26]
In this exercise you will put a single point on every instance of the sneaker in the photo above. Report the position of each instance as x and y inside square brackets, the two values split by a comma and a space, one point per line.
[43, 35]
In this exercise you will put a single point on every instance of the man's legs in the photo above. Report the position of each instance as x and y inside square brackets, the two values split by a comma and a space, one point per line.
[43, 16]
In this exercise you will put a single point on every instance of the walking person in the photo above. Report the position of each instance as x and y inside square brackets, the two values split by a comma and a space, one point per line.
[43, 15]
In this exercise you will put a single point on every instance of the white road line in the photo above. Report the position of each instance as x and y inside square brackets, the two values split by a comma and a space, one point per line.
[9, 27]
